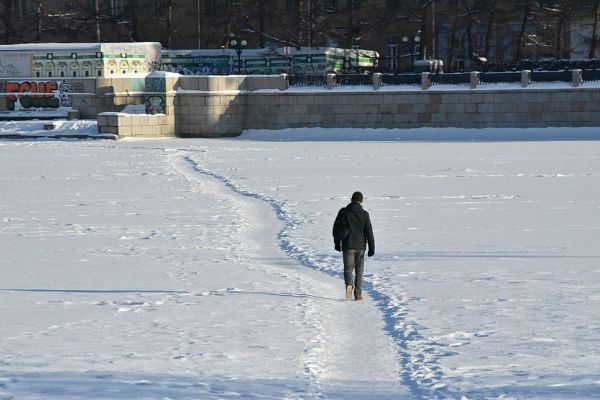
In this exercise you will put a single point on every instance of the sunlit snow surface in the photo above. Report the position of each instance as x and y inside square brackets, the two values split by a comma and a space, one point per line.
[205, 268]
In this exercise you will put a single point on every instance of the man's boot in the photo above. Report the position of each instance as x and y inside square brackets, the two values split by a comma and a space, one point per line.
[349, 289]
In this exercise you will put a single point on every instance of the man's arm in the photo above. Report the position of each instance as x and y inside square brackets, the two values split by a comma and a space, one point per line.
[369, 236]
[337, 243]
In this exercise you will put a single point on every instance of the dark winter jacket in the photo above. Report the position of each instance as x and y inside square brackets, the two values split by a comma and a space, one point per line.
[360, 229]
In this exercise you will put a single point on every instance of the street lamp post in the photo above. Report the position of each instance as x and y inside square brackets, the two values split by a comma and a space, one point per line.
[412, 42]
[239, 45]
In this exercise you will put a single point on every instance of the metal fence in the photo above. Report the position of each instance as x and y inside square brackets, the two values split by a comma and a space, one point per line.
[499, 77]
[401, 79]
[590, 75]
[486, 78]
[308, 81]
[551, 76]
[354, 80]
[450, 79]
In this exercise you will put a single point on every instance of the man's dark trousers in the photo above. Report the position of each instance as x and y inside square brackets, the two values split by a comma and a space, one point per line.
[354, 260]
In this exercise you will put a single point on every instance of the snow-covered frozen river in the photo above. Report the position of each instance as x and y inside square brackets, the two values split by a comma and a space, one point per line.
[205, 269]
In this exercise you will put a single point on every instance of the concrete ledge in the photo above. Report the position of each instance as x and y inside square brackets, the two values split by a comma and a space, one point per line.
[136, 125]
[226, 83]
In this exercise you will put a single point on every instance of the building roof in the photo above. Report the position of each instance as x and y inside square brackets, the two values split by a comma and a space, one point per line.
[42, 47]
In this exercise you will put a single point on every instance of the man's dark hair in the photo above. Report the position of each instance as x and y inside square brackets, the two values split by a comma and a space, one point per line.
[357, 196]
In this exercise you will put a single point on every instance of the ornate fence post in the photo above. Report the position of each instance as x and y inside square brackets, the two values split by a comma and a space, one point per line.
[330, 81]
[286, 82]
[425, 80]
[474, 79]
[377, 80]
[525, 78]
[577, 78]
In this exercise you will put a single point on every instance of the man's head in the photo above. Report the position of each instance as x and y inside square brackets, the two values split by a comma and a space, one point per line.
[357, 197]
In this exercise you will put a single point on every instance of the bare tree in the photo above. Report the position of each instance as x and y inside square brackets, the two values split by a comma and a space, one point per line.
[489, 27]
[594, 41]
[7, 19]
[527, 9]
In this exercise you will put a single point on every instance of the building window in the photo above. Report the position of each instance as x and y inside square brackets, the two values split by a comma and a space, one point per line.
[393, 6]
[210, 7]
[22, 8]
[392, 54]
[331, 6]
[116, 8]
[480, 40]
[291, 6]
[161, 8]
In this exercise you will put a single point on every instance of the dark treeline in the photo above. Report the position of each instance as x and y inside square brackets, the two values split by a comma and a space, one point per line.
[460, 32]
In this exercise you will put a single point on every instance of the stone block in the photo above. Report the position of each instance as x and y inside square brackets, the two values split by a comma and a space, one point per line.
[213, 83]
[103, 86]
[102, 120]
[229, 83]
[469, 108]
[170, 120]
[112, 120]
[125, 130]
[157, 130]
[109, 129]
[200, 83]
[405, 108]
[145, 119]
[322, 99]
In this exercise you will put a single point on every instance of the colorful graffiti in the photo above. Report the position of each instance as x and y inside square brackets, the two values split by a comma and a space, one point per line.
[156, 85]
[36, 95]
[155, 105]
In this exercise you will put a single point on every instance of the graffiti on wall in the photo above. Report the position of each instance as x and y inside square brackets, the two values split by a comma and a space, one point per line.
[198, 65]
[36, 95]
[156, 85]
[155, 105]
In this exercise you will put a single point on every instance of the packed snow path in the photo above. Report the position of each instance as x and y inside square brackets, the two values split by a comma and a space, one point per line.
[345, 347]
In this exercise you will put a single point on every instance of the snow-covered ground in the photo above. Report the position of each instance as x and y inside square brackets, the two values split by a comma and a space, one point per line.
[205, 269]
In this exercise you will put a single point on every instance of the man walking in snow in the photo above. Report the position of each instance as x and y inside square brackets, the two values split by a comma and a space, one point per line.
[352, 231]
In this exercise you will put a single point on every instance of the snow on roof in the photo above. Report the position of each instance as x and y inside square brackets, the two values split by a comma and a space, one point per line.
[31, 47]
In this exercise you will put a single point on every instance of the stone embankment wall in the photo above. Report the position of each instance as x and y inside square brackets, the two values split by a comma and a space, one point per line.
[411, 109]
[228, 112]
[214, 106]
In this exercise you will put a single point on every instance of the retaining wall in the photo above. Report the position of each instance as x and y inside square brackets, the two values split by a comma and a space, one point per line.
[214, 114]
[465, 109]
[213, 106]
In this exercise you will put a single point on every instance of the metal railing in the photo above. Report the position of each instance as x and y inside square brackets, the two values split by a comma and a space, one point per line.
[401, 79]
[463, 78]
[308, 81]
[590, 75]
[450, 79]
[500, 77]
[354, 80]
[551, 76]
